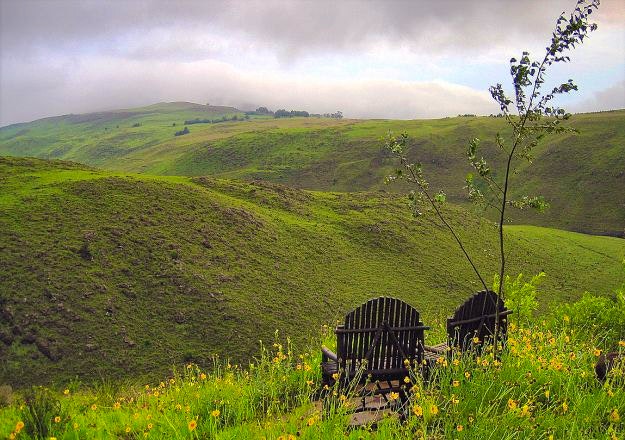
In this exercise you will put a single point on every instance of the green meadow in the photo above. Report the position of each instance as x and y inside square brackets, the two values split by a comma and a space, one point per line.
[108, 273]
[580, 175]
[168, 286]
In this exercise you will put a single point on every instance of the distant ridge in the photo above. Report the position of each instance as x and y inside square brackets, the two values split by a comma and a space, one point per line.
[103, 115]
[581, 175]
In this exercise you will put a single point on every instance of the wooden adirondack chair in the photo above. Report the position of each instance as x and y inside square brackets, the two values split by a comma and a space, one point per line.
[379, 344]
[476, 318]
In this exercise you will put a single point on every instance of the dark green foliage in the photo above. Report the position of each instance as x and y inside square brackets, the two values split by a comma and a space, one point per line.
[182, 132]
[281, 113]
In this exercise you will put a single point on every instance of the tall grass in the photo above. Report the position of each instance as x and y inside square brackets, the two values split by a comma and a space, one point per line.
[541, 387]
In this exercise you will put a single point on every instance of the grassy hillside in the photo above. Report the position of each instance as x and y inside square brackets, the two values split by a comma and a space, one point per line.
[109, 274]
[582, 176]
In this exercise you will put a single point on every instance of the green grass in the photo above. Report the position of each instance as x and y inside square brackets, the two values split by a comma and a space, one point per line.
[109, 274]
[580, 175]
[542, 386]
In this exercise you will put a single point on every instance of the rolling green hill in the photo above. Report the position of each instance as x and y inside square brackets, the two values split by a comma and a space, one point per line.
[582, 176]
[108, 274]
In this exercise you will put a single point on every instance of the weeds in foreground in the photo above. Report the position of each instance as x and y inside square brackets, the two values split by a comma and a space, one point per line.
[541, 386]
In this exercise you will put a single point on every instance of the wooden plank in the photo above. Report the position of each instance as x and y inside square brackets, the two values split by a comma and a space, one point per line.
[401, 334]
[358, 337]
[366, 340]
[379, 316]
[387, 351]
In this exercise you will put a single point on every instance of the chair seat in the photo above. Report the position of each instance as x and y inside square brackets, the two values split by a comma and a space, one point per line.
[330, 367]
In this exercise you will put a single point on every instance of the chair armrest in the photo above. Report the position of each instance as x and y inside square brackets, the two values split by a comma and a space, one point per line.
[327, 354]
[438, 349]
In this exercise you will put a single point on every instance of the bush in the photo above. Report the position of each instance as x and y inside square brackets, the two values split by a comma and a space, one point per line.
[182, 132]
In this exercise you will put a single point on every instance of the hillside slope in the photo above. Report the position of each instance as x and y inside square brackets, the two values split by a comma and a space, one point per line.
[107, 274]
[582, 176]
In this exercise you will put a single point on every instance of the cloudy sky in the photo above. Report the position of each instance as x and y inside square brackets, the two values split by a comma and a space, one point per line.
[389, 59]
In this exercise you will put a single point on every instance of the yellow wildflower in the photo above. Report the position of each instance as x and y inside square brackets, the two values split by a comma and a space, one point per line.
[565, 407]
[597, 352]
[434, 410]
[66, 391]
[476, 340]
[311, 421]
[621, 343]
[454, 399]
[12, 436]
[456, 383]
[459, 428]
[117, 405]
[94, 407]
[393, 396]
[417, 410]
[512, 404]
[215, 413]
[547, 393]
[614, 416]
[19, 426]
[525, 411]
[127, 428]
[75, 425]
[150, 426]
[467, 374]
[406, 379]
[335, 376]
[156, 393]
[456, 362]
[203, 376]
[193, 425]
[57, 419]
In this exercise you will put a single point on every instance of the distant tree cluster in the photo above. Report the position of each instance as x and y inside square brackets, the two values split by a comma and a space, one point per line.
[224, 118]
[467, 115]
[138, 124]
[182, 132]
[260, 111]
[337, 115]
[282, 113]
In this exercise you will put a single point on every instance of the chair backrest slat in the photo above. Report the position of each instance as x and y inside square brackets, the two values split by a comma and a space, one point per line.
[477, 317]
[383, 332]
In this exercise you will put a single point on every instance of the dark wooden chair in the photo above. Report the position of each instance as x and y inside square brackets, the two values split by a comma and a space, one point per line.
[476, 318]
[378, 345]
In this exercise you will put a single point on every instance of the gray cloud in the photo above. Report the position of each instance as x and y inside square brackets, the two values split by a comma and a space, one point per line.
[290, 28]
[611, 98]
[73, 56]
[99, 85]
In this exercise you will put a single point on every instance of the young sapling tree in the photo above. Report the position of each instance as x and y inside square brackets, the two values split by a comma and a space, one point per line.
[531, 115]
